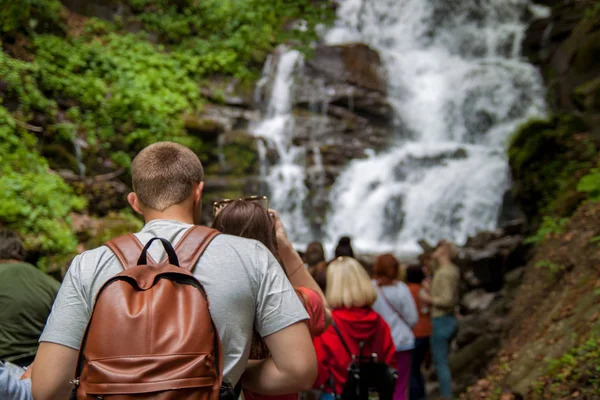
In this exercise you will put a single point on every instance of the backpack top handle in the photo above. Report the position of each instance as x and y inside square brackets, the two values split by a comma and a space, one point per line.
[172, 257]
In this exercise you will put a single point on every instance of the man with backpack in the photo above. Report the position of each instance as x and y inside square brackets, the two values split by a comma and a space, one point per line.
[164, 308]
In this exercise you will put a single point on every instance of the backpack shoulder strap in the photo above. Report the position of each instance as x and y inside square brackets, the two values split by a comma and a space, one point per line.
[127, 248]
[390, 305]
[337, 331]
[193, 243]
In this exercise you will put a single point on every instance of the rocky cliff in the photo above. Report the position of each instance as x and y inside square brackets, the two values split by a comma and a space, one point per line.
[550, 347]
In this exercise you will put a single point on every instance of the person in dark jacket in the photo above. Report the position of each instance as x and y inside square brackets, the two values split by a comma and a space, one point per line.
[26, 298]
[350, 294]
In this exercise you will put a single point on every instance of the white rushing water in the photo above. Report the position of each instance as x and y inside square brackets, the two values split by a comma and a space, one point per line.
[286, 178]
[459, 87]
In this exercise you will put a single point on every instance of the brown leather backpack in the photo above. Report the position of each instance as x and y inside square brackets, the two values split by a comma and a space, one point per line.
[151, 335]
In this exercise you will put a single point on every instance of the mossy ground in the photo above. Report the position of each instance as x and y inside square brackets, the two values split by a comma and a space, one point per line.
[555, 317]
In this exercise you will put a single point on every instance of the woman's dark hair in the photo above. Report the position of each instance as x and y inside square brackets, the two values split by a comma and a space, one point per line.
[385, 270]
[319, 274]
[314, 254]
[344, 248]
[11, 246]
[415, 274]
[248, 220]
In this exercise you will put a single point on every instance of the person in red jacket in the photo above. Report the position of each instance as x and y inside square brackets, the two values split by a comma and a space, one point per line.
[350, 295]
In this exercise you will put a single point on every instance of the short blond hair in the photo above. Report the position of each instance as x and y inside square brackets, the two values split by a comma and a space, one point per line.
[348, 284]
[164, 174]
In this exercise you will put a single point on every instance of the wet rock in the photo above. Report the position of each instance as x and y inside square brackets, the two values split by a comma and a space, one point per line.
[204, 126]
[227, 91]
[476, 300]
[104, 193]
[239, 153]
[348, 76]
[355, 63]
[488, 256]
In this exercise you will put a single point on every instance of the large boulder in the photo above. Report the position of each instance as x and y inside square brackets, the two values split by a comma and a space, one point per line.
[488, 256]
[348, 76]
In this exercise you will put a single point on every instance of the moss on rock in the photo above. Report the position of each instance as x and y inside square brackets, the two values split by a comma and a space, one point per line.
[547, 158]
[240, 153]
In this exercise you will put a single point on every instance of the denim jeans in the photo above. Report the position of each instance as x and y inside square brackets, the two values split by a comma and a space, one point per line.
[444, 329]
[417, 382]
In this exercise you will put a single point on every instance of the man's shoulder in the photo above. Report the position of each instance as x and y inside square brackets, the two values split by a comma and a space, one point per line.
[243, 247]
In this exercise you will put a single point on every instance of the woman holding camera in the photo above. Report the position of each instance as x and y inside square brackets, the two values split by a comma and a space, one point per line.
[252, 220]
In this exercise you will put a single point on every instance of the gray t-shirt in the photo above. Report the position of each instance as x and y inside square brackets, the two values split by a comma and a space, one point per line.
[246, 288]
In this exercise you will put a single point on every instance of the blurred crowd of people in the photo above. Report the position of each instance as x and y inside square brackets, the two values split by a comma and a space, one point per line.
[418, 302]
[285, 322]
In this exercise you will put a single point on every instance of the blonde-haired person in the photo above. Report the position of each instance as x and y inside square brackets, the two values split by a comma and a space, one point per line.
[350, 295]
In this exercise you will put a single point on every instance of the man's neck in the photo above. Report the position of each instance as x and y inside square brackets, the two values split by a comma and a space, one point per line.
[173, 213]
[10, 261]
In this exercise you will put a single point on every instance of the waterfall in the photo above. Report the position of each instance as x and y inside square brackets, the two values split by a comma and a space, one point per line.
[459, 86]
[78, 144]
[285, 178]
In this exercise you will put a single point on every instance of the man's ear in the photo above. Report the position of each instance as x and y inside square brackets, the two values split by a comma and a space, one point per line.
[134, 202]
[198, 193]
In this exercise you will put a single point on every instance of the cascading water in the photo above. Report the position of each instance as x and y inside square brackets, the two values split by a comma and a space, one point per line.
[457, 83]
[286, 178]
[458, 87]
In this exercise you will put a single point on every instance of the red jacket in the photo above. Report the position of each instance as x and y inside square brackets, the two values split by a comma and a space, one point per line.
[356, 325]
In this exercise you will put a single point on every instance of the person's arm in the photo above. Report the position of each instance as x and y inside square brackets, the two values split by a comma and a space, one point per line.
[292, 366]
[292, 262]
[409, 308]
[12, 388]
[280, 320]
[54, 369]
[56, 358]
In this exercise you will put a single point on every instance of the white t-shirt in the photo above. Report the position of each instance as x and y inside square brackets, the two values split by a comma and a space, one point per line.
[402, 302]
[246, 289]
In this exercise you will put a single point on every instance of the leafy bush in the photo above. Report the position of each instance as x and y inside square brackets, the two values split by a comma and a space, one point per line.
[26, 15]
[34, 201]
[590, 184]
[549, 226]
[575, 375]
[548, 158]
[232, 36]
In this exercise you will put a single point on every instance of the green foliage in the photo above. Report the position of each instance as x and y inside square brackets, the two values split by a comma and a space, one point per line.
[548, 158]
[20, 84]
[23, 16]
[120, 91]
[590, 184]
[549, 226]
[34, 201]
[553, 267]
[576, 374]
[593, 12]
[231, 36]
